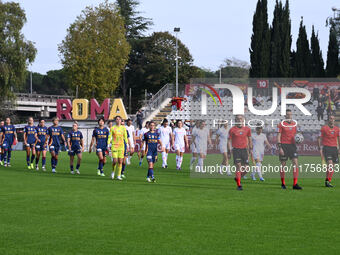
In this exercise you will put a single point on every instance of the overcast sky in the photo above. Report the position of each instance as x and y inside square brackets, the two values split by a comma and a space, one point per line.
[212, 30]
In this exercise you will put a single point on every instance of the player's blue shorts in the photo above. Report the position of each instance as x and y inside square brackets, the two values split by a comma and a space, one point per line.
[151, 156]
[31, 145]
[40, 147]
[7, 146]
[55, 149]
[74, 151]
[101, 149]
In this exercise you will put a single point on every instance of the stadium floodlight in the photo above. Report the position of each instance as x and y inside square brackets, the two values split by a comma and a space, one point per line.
[177, 30]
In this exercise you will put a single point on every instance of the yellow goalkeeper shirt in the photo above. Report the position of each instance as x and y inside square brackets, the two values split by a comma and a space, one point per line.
[117, 137]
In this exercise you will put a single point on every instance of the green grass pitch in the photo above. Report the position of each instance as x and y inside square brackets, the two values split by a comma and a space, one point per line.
[42, 213]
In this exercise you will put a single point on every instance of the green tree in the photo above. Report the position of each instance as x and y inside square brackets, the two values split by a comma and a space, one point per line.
[260, 42]
[281, 40]
[153, 63]
[15, 51]
[135, 26]
[303, 54]
[317, 64]
[95, 51]
[333, 66]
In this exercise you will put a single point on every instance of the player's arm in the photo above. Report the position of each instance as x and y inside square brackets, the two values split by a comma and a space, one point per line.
[109, 139]
[279, 141]
[145, 139]
[25, 137]
[15, 135]
[250, 144]
[267, 143]
[69, 142]
[172, 140]
[186, 141]
[82, 143]
[126, 140]
[209, 139]
[48, 138]
[36, 137]
[91, 144]
[63, 137]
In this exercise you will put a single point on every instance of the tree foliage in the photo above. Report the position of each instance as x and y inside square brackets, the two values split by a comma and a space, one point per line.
[152, 63]
[134, 24]
[317, 64]
[281, 40]
[54, 82]
[95, 51]
[303, 54]
[260, 42]
[15, 51]
[333, 66]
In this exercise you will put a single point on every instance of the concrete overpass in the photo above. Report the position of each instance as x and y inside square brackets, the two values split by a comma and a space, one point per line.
[38, 105]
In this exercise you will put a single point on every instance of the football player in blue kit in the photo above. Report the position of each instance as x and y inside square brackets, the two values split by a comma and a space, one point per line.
[99, 137]
[8, 137]
[2, 123]
[75, 144]
[30, 139]
[54, 134]
[151, 139]
[41, 145]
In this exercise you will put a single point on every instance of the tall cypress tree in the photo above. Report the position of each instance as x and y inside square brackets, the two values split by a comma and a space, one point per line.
[317, 64]
[332, 68]
[260, 42]
[281, 40]
[284, 70]
[303, 55]
[275, 43]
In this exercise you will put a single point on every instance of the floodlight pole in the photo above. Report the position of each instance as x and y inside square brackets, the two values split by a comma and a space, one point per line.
[177, 30]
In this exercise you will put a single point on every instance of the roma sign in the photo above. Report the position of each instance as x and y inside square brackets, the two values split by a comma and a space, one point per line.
[80, 109]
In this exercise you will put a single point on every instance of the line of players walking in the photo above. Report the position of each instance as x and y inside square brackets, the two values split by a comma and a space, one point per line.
[118, 140]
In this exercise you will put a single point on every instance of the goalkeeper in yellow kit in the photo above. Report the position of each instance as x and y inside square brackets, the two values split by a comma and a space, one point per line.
[117, 137]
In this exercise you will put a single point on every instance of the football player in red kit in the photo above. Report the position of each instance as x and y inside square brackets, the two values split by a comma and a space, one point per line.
[240, 142]
[328, 146]
[287, 130]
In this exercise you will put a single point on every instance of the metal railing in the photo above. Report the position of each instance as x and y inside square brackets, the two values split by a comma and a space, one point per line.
[167, 91]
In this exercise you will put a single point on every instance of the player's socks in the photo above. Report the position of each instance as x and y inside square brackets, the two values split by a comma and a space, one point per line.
[330, 173]
[36, 161]
[43, 161]
[200, 163]
[1, 156]
[228, 170]
[52, 162]
[123, 169]
[258, 168]
[295, 175]
[164, 158]
[77, 166]
[192, 161]
[28, 160]
[282, 175]
[55, 162]
[4, 157]
[71, 168]
[9, 153]
[238, 178]
[180, 161]
[32, 159]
